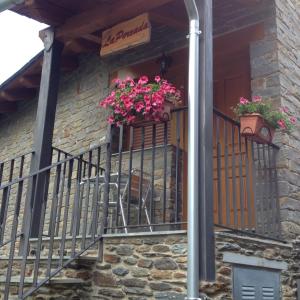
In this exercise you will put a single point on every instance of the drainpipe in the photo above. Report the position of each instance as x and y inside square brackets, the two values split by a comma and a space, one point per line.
[193, 152]
[7, 4]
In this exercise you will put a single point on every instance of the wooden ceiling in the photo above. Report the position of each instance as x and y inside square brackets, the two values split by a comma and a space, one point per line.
[79, 25]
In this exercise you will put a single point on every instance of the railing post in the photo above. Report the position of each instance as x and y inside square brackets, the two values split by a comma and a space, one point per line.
[43, 128]
[104, 221]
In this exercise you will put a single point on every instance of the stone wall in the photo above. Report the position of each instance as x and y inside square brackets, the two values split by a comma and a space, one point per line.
[153, 267]
[288, 43]
[274, 70]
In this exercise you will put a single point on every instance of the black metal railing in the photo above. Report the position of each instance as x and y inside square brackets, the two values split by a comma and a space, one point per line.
[151, 191]
[147, 175]
[245, 181]
[70, 211]
[135, 181]
[15, 167]
[19, 165]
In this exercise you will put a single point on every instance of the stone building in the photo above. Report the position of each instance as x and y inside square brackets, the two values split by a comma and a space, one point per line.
[60, 239]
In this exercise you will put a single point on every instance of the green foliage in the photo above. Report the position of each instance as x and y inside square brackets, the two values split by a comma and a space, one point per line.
[279, 119]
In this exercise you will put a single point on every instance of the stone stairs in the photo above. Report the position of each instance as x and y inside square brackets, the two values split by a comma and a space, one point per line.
[73, 282]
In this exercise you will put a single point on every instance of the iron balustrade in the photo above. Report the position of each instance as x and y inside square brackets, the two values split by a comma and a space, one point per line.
[245, 181]
[134, 182]
[67, 214]
[19, 165]
[147, 165]
[14, 167]
[245, 178]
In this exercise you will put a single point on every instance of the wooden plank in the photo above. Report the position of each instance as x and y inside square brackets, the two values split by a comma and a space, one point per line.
[92, 38]
[47, 12]
[8, 107]
[168, 20]
[105, 16]
[80, 46]
[126, 35]
[227, 43]
[18, 95]
[30, 81]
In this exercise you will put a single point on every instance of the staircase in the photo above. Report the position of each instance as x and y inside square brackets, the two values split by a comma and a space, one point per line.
[70, 228]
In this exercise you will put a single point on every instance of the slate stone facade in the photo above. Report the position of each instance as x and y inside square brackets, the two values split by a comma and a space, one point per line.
[288, 45]
[155, 267]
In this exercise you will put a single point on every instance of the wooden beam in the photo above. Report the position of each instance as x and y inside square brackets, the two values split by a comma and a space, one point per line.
[92, 38]
[47, 12]
[104, 16]
[44, 126]
[7, 107]
[169, 21]
[30, 81]
[18, 94]
[205, 141]
[81, 46]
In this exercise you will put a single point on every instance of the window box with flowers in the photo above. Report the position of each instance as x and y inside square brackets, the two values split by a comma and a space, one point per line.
[141, 102]
[259, 121]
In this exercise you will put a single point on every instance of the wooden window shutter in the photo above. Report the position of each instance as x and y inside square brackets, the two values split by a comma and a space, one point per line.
[137, 133]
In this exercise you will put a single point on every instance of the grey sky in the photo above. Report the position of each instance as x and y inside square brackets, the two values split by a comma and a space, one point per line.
[19, 42]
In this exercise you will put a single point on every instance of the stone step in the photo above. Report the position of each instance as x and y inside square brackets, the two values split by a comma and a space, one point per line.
[54, 258]
[15, 280]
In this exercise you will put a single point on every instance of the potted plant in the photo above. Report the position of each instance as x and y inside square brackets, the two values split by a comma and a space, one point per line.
[259, 121]
[140, 102]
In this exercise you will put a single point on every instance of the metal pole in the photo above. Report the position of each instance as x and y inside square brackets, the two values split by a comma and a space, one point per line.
[193, 149]
[201, 259]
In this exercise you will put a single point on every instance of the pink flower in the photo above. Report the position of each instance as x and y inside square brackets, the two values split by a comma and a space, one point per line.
[129, 99]
[110, 119]
[143, 80]
[129, 81]
[139, 106]
[147, 98]
[244, 100]
[293, 120]
[157, 78]
[257, 99]
[281, 124]
[116, 80]
[130, 119]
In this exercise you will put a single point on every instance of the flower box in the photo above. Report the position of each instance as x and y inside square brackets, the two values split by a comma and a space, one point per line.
[259, 119]
[164, 116]
[141, 102]
[254, 126]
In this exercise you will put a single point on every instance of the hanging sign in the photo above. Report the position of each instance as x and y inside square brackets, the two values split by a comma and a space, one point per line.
[126, 35]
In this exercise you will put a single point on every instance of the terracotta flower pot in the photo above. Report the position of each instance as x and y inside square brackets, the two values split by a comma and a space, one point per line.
[254, 126]
[164, 117]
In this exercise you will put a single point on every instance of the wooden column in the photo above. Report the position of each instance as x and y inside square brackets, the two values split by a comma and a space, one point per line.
[43, 131]
[206, 222]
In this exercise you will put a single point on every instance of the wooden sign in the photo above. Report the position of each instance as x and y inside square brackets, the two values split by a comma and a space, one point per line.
[126, 35]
